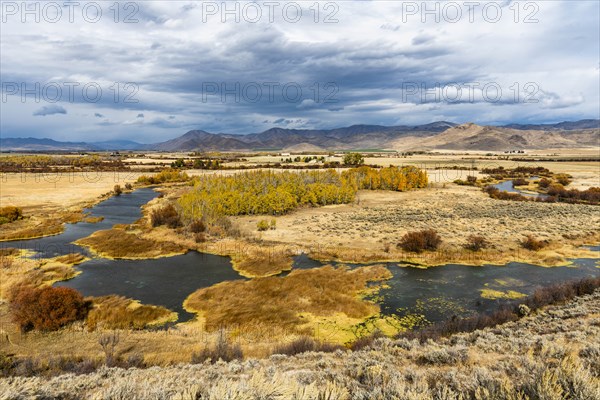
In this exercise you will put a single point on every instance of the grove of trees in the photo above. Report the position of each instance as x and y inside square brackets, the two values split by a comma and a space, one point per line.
[266, 192]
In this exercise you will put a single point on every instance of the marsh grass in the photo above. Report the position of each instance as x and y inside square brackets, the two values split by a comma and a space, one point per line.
[71, 258]
[116, 243]
[118, 312]
[38, 226]
[277, 301]
[262, 262]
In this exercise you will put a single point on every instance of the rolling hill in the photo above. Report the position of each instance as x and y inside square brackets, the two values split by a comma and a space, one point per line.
[439, 135]
[491, 138]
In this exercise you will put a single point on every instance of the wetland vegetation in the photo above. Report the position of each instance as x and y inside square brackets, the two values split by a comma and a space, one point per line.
[315, 260]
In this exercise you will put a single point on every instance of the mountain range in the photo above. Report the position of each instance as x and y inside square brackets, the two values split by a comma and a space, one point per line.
[436, 135]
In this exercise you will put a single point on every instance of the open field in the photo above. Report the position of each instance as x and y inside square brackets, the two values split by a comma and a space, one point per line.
[49, 200]
[370, 230]
[52, 191]
[552, 354]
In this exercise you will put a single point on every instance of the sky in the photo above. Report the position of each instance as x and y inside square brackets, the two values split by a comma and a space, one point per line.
[150, 71]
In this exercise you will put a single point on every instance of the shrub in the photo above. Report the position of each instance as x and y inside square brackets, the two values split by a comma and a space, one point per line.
[167, 175]
[166, 215]
[476, 243]
[200, 237]
[262, 225]
[520, 182]
[128, 186]
[10, 214]
[222, 350]
[419, 241]
[366, 341]
[544, 183]
[444, 356]
[117, 189]
[353, 159]
[563, 179]
[46, 309]
[498, 194]
[273, 224]
[471, 179]
[531, 243]
[109, 343]
[197, 226]
[305, 344]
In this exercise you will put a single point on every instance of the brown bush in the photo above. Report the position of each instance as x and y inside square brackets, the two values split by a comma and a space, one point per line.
[47, 308]
[544, 183]
[117, 189]
[476, 243]
[419, 241]
[200, 237]
[197, 226]
[166, 215]
[10, 214]
[531, 243]
[366, 341]
[563, 179]
[222, 350]
[305, 344]
[498, 194]
[520, 182]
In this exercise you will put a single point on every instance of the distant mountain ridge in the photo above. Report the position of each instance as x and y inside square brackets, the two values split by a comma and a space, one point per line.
[436, 135]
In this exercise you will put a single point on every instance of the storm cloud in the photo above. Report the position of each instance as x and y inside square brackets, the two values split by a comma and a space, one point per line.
[162, 68]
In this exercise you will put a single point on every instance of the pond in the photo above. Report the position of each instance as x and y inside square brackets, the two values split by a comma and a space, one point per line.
[437, 293]
[508, 186]
[441, 292]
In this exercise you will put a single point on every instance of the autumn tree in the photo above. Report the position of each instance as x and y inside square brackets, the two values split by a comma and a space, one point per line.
[353, 159]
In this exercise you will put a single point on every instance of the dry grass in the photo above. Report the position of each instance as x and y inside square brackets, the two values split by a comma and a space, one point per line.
[363, 232]
[278, 302]
[71, 258]
[262, 261]
[551, 355]
[38, 272]
[117, 243]
[118, 312]
[39, 225]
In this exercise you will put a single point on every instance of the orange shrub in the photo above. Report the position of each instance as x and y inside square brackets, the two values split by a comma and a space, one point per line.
[167, 215]
[531, 243]
[418, 241]
[47, 308]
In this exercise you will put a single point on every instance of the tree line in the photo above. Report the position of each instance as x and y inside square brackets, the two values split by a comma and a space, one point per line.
[266, 192]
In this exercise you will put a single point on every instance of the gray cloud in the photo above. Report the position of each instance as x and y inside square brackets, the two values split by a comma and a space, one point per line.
[49, 110]
[366, 59]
